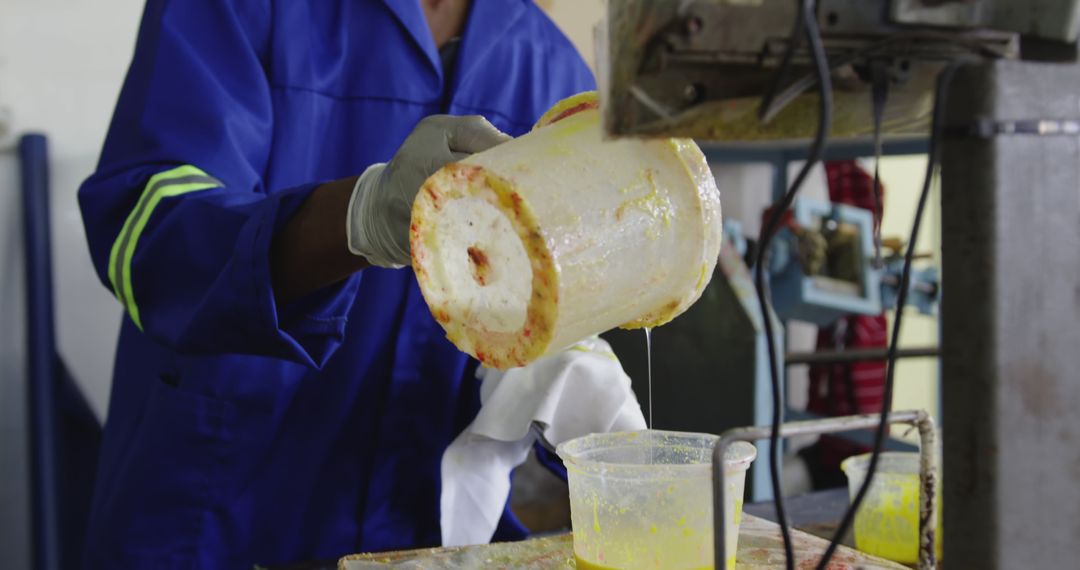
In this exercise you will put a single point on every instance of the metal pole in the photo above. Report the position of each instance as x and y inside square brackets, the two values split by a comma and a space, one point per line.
[894, 281]
[1010, 203]
[41, 373]
[857, 355]
[780, 177]
[927, 470]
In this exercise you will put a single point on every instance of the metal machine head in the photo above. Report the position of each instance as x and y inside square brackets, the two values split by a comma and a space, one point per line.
[699, 68]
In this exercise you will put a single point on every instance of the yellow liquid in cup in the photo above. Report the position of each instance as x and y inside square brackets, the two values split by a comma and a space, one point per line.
[641, 500]
[583, 565]
[887, 524]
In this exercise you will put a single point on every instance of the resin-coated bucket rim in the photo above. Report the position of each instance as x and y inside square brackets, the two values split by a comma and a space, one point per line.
[737, 459]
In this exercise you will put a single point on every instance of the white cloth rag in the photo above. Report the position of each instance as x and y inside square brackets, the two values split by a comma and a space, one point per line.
[574, 393]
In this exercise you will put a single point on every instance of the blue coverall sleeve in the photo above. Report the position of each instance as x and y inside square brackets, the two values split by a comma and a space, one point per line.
[178, 217]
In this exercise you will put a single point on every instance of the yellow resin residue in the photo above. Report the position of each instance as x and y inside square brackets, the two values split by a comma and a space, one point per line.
[882, 530]
[583, 98]
[704, 274]
[575, 123]
[606, 354]
[674, 544]
[692, 159]
[583, 565]
[694, 164]
[697, 168]
[654, 203]
[659, 317]
[887, 525]
[559, 150]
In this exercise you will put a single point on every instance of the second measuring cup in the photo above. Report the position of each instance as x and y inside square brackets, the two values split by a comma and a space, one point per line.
[643, 499]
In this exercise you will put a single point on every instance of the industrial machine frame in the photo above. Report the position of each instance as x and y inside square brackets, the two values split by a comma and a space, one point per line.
[1010, 171]
[927, 469]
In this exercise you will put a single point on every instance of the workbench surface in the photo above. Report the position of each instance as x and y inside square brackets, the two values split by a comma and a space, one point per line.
[760, 548]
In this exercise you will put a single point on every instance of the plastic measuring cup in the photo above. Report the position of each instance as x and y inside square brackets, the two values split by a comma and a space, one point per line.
[887, 524]
[644, 499]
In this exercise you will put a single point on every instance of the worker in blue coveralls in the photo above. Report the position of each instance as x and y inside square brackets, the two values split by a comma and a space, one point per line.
[281, 391]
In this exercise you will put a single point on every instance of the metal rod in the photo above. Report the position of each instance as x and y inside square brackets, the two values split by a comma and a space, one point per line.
[41, 351]
[741, 153]
[921, 287]
[857, 355]
[927, 470]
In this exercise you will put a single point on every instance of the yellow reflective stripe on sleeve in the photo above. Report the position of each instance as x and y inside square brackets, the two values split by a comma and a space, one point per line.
[174, 182]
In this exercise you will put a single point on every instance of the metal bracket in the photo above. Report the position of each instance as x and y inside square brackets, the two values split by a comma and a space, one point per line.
[948, 13]
[986, 128]
[697, 68]
[818, 296]
[927, 469]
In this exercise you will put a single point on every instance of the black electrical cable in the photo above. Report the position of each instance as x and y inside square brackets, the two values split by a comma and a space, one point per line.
[777, 102]
[817, 149]
[765, 109]
[934, 156]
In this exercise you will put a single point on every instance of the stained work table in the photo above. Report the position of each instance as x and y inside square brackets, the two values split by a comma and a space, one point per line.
[760, 548]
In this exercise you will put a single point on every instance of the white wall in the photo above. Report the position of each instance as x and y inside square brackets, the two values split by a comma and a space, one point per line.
[917, 380]
[576, 19]
[61, 64]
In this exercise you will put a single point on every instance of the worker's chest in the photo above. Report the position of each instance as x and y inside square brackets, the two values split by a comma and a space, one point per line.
[349, 50]
[349, 80]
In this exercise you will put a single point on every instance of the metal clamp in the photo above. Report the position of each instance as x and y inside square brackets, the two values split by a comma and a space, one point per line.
[927, 469]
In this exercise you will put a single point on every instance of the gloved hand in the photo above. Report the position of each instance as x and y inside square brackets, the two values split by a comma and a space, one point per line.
[380, 208]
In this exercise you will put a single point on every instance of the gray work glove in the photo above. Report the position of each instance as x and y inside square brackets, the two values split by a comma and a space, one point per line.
[381, 204]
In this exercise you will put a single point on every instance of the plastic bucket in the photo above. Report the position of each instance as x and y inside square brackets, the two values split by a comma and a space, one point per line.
[560, 234]
[887, 524]
[644, 499]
